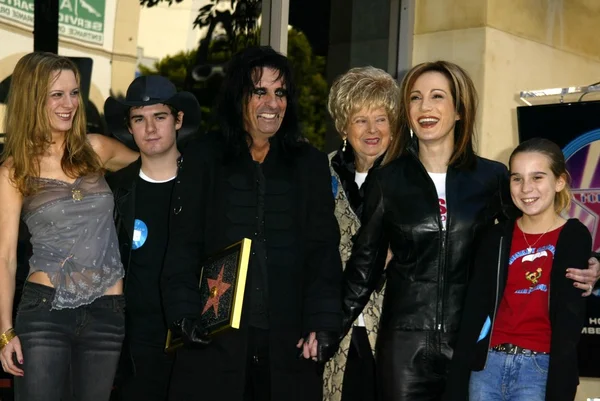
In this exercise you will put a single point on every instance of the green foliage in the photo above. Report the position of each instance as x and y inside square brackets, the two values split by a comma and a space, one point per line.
[173, 67]
[152, 3]
[312, 87]
[243, 18]
[205, 14]
[308, 75]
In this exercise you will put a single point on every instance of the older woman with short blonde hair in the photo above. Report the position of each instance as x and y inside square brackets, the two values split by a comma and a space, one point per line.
[364, 104]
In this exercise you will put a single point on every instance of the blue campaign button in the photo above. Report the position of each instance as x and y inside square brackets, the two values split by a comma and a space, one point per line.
[140, 234]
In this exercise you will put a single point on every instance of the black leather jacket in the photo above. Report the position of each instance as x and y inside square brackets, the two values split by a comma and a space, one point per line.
[428, 275]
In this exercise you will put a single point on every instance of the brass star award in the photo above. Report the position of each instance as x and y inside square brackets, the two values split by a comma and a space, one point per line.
[222, 284]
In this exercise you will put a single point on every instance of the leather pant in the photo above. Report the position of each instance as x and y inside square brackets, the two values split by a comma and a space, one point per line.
[412, 365]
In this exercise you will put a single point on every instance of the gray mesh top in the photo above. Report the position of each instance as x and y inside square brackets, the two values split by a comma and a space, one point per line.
[74, 238]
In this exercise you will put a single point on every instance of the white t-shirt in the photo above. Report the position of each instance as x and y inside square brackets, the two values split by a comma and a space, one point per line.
[152, 180]
[359, 179]
[439, 179]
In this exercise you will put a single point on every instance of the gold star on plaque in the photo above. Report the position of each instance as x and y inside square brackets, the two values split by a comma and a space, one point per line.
[217, 289]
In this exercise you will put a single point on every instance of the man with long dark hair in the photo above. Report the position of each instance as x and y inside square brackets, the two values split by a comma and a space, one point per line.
[257, 178]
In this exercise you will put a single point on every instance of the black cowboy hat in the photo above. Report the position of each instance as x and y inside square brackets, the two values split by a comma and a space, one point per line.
[146, 91]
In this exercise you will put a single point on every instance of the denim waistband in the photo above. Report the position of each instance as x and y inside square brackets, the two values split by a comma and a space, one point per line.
[39, 289]
[105, 301]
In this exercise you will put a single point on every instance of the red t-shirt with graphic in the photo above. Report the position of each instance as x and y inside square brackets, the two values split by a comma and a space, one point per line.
[522, 318]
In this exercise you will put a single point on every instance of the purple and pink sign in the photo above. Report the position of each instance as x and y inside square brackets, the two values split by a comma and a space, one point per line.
[583, 163]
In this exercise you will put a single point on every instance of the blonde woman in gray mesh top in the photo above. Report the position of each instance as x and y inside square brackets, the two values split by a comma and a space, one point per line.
[70, 317]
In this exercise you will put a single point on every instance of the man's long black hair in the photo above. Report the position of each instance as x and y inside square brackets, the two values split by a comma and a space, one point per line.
[241, 72]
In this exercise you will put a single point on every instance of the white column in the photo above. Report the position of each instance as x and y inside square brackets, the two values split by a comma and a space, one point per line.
[274, 24]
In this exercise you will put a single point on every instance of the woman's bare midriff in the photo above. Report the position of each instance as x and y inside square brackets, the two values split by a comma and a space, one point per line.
[43, 279]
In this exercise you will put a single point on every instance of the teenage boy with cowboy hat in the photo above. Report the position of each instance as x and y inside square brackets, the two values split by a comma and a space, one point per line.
[153, 118]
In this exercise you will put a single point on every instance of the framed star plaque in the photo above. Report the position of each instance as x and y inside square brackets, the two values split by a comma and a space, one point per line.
[222, 285]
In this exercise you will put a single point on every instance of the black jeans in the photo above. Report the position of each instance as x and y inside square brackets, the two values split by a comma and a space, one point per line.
[84, 342]
[151, 374]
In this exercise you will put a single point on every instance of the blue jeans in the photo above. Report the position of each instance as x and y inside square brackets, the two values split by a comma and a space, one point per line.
[507, 377]
[84, 343]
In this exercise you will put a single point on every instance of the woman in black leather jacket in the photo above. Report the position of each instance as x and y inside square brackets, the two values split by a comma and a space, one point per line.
[429, 204]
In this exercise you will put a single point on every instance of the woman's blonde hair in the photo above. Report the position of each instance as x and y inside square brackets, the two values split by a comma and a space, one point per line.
[363, 87]
[27, 124]
[464, 96]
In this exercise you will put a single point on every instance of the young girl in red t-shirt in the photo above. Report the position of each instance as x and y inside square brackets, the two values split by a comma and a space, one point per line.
[523, 317]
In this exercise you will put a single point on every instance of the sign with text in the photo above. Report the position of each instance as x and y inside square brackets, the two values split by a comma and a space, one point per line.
[78, 19]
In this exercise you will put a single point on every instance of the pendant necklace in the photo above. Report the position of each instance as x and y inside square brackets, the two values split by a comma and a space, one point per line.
[76, 194]
[530, 247]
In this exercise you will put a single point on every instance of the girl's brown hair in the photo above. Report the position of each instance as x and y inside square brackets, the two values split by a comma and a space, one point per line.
[27, 124]
[558, 166]
[464, 96]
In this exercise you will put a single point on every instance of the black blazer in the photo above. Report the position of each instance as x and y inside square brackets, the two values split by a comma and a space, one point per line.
[200, 227]
[567, 309]
[309, 288]
[303, 273]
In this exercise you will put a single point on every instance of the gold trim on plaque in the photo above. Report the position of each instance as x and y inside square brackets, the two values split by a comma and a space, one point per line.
[245, 245]
[238, 298]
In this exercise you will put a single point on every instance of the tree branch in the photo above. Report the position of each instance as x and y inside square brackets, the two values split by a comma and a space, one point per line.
[152, 3]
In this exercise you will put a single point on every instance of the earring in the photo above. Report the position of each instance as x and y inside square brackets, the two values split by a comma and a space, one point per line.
[411, 132]
[344, 147]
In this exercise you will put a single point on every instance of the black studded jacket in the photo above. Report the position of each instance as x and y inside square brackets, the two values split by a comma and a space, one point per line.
[285, 206]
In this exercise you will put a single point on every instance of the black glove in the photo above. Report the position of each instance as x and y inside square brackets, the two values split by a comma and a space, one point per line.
[328, 343]
[191, 331]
